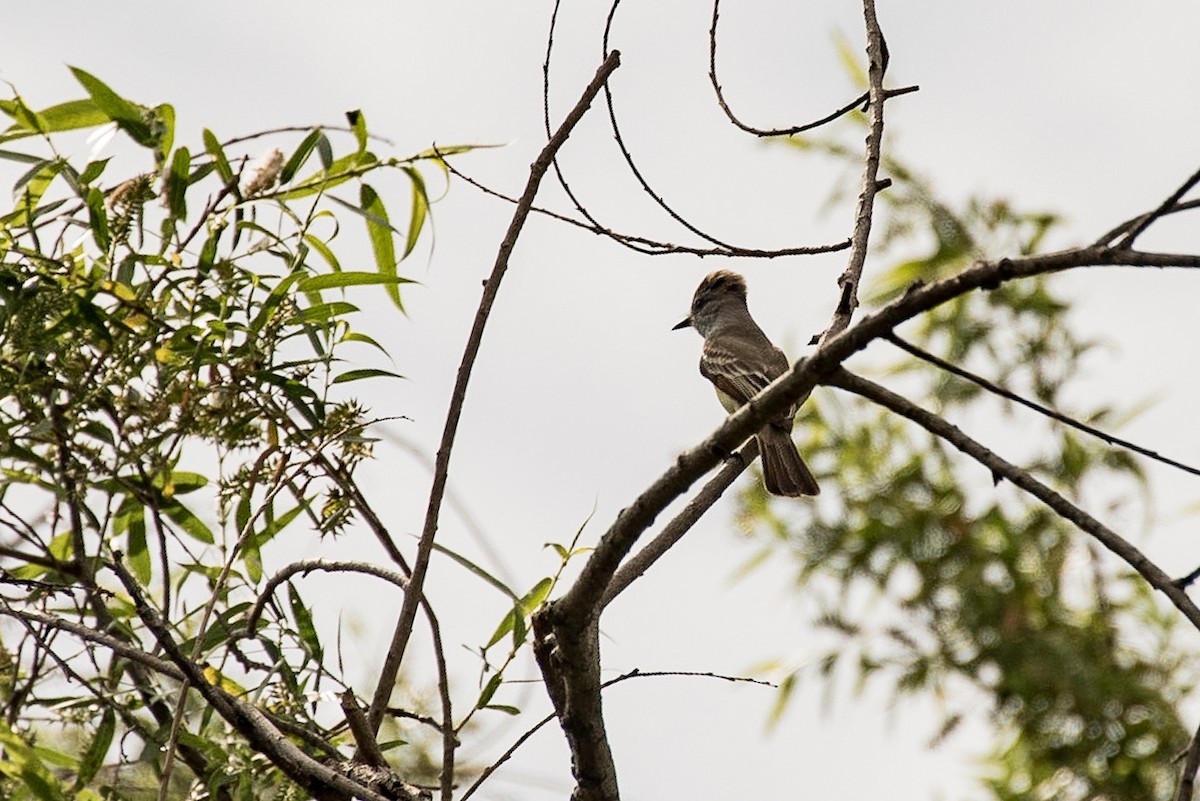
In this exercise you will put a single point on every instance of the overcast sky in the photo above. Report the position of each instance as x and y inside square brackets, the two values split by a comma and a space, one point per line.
[582, 393]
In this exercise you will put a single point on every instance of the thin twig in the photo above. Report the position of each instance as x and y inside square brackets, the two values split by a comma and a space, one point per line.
[1164, 208]
[864, 98]
[653, 247]
[1000, 391]
[307, 566]
[1128, 224]
[404, 624]
[633, 674]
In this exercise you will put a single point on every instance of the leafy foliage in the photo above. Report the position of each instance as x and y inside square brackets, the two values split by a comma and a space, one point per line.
[934, 578]
[170, 365]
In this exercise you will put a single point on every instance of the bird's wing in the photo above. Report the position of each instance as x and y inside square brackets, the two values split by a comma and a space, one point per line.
[731, 374]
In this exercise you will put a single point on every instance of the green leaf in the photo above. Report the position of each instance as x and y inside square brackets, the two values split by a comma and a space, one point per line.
[489, 690]
[93, 758]
[24, 158]
[301, 155]
[380, 232]
[304, 623]
[212, 146]
[358, 123]
[343, 279]
[420, 209]
[354, 336]
[325, 151]
[183, 517]
[98, 218]
[72, 115]
[338, 172]
[129, 116]
[514, 621]
[477, 570]
[92, 171]
[323, 312]
[365, 372]
[177, 183]
[326, 252]
[130, 520]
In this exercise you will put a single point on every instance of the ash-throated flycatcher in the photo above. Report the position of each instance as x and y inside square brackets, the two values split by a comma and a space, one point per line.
[740, 361]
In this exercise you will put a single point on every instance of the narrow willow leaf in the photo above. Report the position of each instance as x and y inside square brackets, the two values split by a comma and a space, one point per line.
[98, 218]
[304, 623]
[130, 520]
[489, 690]
[72, 115]
[358, 123]
[126, 114]
[477, 570]
[177, 183]
[297, 159]
[420, 210]
[333, 280]
[192, 525]
[365, 372]
[93, 758]
[212, 146]
[382, 242]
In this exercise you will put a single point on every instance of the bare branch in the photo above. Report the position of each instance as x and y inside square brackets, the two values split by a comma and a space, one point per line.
[652, 247]
[1151, 572]
[391, 665]
[88, 634]
[1129, 224]
[864, 212]
[1165, 207]
[996, 389]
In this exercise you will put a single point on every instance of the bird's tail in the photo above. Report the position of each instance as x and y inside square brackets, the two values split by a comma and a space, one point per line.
[784, 472]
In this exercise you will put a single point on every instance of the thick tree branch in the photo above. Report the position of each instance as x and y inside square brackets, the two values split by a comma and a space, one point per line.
[939, 427]
[710, 493]
[391, 665]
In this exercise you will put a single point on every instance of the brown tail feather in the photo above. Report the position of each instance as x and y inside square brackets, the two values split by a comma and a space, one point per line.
[784, 472]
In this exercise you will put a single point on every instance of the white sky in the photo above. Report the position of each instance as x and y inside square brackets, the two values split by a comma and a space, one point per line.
[582, 394]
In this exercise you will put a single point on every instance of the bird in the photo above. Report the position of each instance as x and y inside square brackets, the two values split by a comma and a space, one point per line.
[740, 362]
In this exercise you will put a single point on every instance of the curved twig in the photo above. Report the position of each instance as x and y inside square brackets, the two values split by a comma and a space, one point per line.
[864, 98]
[308, 566]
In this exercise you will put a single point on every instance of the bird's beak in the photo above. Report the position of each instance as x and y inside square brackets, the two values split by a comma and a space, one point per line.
[687, 323]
